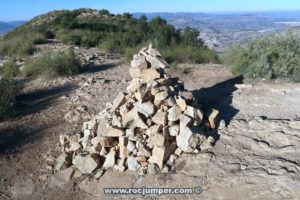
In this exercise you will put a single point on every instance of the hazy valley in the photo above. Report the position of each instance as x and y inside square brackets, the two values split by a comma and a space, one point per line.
[222, 30]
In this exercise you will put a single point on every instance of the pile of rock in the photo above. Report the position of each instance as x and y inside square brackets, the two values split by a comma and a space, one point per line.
[93, 56]
[145, 129]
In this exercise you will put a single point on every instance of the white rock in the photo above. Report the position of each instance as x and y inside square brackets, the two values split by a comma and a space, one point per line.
[159, 97]
[160, 118]
[134, 85]
[110, 160]
[158, 156]
[146, 108]
[212, 118]
[118, 101]
[133, 163]
[149, 75]
[86, 164]
[174, 130]
[131, 146]
[174, 113]
[182, 139]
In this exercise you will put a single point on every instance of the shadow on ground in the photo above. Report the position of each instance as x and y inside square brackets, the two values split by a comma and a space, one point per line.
[38, 100]
[98, 68]
[220, 97]
[14, 132]
[12, 138]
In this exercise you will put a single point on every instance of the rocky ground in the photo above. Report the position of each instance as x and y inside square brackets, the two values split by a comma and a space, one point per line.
[256, 157]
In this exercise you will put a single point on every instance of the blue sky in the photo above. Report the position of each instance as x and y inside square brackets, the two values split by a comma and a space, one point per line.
[26, 9]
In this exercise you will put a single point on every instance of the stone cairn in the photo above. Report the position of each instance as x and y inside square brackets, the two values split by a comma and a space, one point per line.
[145, 129]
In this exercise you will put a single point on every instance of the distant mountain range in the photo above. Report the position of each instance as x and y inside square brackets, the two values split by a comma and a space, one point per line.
[8, 26]
[284, 15]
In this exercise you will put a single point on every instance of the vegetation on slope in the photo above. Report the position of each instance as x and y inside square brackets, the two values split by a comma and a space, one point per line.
[276, 56]
[53, 64]
[9, 89]
[113, 33]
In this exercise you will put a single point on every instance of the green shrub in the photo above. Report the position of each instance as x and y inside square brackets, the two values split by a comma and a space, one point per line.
[271, 57]
[110, 45]
[9, 89]
[9, 70]
[20, 45]
[54, 64]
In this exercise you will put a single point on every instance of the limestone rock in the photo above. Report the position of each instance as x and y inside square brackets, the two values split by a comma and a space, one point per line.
[110, 160]
[158, 139]
[86, 164]
[212, 118]
[150, 75]
[118, 101]
[174, 113]
[181, 103]
[114, 132]
[139, 61]
[160, 118]
[134, 85]
[183, 139]
[133, 164]
[156, 62]
[158, 156]
[159, 97]
[147, 108]
[107, 141]
[207, 144]
[174, 130]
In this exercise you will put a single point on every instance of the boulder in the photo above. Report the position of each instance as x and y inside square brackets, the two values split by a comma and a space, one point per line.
[110, 159]
[118, 101]
[174, 113]
[160, 118]
[133, 163]
[147, 108]
[86, 164]
[150, 75]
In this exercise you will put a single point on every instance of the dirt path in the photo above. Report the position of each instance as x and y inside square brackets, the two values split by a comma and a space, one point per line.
[256, 157]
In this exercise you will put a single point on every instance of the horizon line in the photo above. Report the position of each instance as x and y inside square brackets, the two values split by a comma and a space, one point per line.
[169, 12]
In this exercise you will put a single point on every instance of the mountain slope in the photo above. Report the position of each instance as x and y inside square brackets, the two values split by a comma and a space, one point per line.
[120, 33]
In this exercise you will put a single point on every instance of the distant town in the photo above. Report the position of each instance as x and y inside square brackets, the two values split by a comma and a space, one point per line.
[222, 30]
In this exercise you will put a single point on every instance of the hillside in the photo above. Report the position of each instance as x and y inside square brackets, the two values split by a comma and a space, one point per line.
[113, 33]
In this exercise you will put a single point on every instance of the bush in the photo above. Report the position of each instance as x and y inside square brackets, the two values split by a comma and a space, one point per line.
[20, 45]
[55, 64]
[110, 45]
[276, 56]
[9, 70]
[9, 89]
